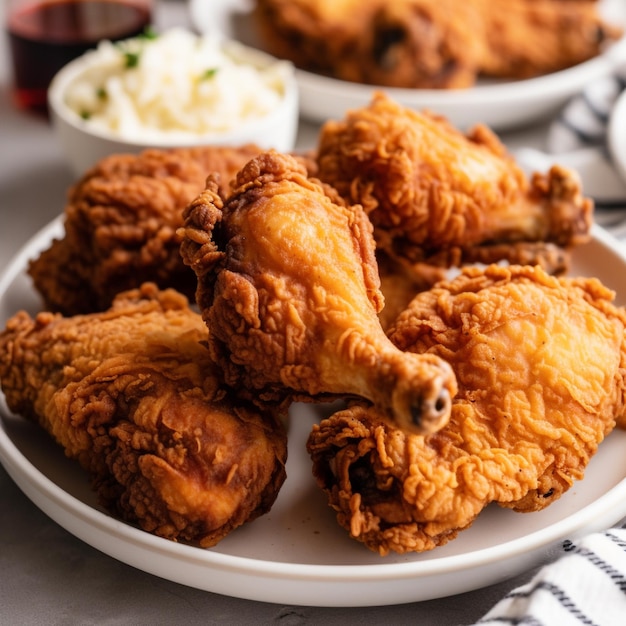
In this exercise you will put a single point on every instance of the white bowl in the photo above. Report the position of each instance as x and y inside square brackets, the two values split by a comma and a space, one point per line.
[85, 145]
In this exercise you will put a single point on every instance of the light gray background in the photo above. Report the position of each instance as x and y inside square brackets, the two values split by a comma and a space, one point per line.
[47, 576]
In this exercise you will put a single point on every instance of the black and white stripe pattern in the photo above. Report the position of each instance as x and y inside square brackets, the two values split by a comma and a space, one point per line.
[577, 139]
[584, 120]
[585, 586]
[581, 129]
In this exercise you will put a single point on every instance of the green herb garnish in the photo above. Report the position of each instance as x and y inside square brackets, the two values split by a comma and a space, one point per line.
[101, 93]
[131, 59]
[208, 74]
[149, 33]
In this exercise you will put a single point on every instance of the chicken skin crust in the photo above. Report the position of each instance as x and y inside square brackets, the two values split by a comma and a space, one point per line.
[132, 395]
[540, 363]
[120, 226]
[390, 44]
[433, 44]
[288, 285]
[436, 195]
[528, 38]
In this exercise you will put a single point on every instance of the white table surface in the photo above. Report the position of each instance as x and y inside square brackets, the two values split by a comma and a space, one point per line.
[47, 576]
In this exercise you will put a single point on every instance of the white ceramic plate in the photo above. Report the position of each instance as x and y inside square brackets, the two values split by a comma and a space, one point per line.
[503, 105]
[297, 554]
[616, 134]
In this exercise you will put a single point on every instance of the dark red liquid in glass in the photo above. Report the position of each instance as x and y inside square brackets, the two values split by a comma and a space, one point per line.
[44, 36]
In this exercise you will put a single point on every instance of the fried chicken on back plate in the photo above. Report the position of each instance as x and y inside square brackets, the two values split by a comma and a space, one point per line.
[392, 44]
[133, 396]
[438, 196]
[541, 369]
[527, 38]
[288, 285]
[432, 44]
[120, 226]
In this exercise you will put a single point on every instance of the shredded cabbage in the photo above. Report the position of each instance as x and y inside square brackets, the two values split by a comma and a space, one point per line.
[176, 83]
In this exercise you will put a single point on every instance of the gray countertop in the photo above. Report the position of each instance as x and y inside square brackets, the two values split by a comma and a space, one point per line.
[48, 576]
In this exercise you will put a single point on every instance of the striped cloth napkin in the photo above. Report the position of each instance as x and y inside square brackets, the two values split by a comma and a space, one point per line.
[577, 138]
[584, 120]
[586, 585]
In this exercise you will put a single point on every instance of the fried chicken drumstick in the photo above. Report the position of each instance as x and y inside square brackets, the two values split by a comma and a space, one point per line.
[120, 226]
[133, 396]
[288, 285]
[438, 196]
[540, 363]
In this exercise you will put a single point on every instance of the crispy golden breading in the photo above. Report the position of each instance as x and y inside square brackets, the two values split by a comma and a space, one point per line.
[288, 284]
[120, 226]
[133, 396]
[432, 44]
[392, 44]
[527, 38]
[540, 363]
[399, 285]
[436, 195]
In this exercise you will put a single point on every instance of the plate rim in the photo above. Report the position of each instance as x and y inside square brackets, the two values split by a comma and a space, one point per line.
[477, 94]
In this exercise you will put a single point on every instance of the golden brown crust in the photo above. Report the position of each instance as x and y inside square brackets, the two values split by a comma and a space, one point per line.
[528, 38]
[288, 284]
[431, 44]
[133, 396]
[436, 195]
[393, 44]
[120, 226]
[540, 363]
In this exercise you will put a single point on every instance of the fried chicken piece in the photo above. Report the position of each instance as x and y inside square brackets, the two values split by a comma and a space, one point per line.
[540, 362]
[399, 285]
[392, 44]
[527, 38]
[438, 196]
[288, 284]
[120, 226]
[133, 396]
[432, 44]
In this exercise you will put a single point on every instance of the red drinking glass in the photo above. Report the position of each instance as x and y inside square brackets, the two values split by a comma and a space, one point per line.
[44, 35]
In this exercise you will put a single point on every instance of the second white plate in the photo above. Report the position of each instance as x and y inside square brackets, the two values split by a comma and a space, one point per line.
[502, 105]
